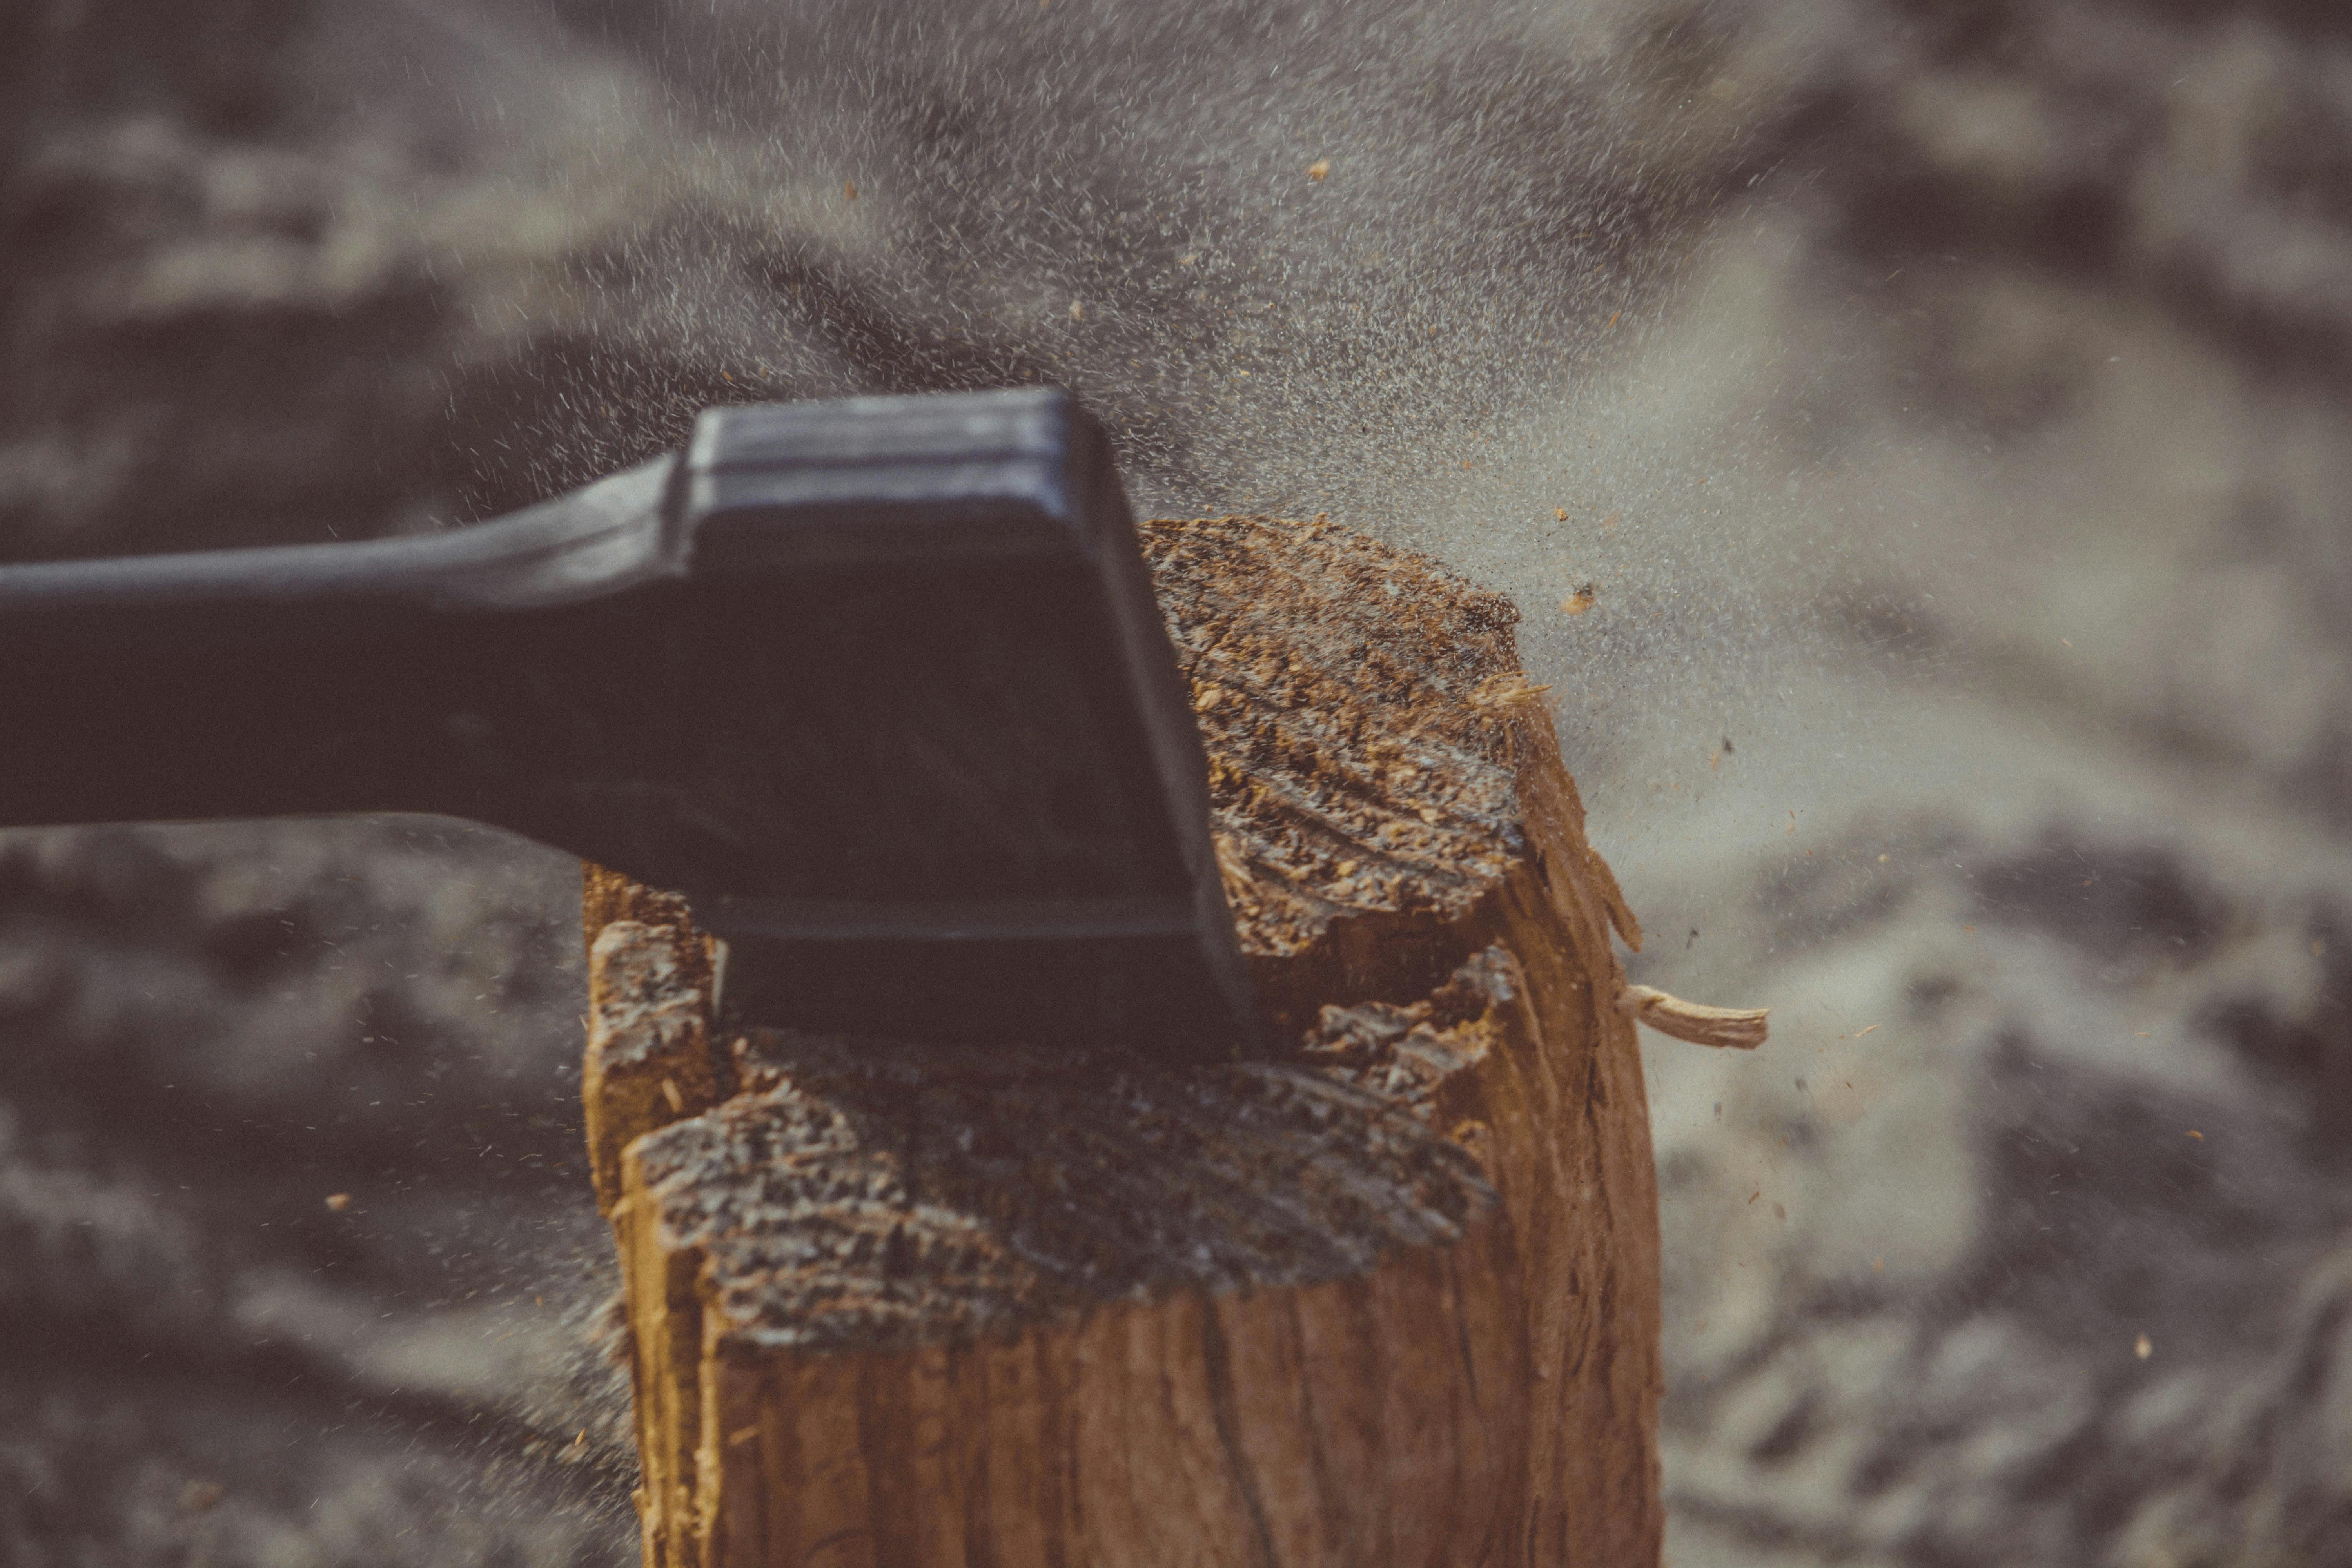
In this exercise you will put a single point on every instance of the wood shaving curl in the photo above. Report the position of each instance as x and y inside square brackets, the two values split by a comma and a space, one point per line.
[1732, 1029]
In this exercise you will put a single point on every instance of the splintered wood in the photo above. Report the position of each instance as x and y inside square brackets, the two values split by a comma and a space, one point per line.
[1391, 1296]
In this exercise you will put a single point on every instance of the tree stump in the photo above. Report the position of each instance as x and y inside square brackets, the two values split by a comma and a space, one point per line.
[1389, 1298]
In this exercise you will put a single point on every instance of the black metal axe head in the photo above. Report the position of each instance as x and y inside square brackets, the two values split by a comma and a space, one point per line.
[880, 685]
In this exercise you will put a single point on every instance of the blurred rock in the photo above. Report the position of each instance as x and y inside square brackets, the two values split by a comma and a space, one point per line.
[1989, 1201]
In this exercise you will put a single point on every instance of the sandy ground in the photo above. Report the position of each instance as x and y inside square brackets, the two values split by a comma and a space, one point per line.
[1945, 406]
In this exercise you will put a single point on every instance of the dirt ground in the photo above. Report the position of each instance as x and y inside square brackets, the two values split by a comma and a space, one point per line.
[1936, 413]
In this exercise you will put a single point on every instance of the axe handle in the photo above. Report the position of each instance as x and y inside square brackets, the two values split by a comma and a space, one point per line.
[300, 679]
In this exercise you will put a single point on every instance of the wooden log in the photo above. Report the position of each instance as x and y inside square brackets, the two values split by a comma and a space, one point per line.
[1391, 1296]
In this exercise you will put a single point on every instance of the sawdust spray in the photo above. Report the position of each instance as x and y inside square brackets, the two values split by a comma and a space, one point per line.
[1412, 266]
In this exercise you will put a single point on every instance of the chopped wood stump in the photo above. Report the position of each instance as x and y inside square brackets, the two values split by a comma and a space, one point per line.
[1389, 1296]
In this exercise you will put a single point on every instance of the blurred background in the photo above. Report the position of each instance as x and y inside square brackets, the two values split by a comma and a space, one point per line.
[1916, 437]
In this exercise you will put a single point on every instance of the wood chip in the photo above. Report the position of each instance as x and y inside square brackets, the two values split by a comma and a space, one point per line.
[1731, 1028]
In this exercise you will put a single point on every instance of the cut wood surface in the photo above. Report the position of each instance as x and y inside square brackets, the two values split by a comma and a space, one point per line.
[1388, 1297]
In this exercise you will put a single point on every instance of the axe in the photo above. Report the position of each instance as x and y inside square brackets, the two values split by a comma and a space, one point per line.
[880, 685]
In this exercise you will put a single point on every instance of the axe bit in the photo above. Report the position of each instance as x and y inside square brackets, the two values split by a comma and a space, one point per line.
[880, 685]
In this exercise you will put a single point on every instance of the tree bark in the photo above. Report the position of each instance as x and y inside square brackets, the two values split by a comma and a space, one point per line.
[1390, 1297]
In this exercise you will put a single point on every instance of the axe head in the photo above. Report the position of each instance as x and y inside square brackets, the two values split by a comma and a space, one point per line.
[933, 771]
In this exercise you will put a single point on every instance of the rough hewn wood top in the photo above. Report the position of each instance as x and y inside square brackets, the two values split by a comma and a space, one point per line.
[859, 1192]
[1352, 697]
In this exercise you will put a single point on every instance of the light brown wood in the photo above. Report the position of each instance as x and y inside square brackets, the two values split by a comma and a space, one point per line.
[1726, 1029]
[1391, 1298]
